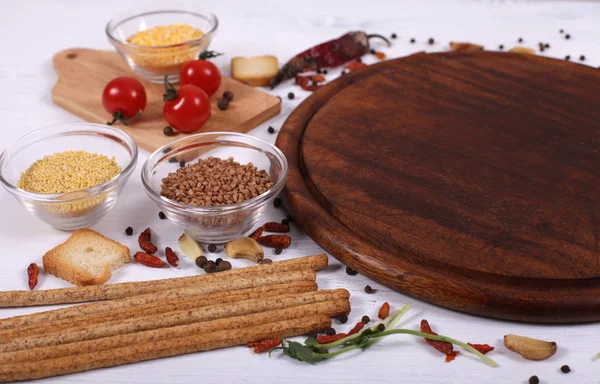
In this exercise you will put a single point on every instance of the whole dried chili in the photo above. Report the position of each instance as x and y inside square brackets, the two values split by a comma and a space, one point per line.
[482, 348]
[274, 226]
[384, 311]
[257, 234]
[441, 346]
[32, 275]
[282, 241]
[145, 243]
[149, 260]
[264, 345]
[329, 54]
[171, 257]
[357, 328]
[325, 339]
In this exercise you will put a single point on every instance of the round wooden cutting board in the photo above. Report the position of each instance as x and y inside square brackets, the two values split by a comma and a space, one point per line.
[468, 180]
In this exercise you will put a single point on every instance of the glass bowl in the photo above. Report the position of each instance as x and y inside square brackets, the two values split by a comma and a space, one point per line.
[153, 63]
[71, 210]
[215, 225]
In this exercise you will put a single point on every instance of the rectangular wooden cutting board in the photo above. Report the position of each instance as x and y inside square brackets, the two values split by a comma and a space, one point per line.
[83, 73]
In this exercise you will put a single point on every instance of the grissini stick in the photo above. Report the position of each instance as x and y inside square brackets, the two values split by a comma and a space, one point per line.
[116, 291]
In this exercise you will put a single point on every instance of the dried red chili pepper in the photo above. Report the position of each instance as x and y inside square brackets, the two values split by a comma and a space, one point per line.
[441, 346]
[451, 356]
[32, 275]
[264, 345]
[482, 348]
[172, 257]
[305, 83]
[282, 241]
[324, 339]
[329, 54]
[273, 226]
[257, 234]
[145, 243]
[355, 65]
[384, 311]
[357, 328]
[149, 260]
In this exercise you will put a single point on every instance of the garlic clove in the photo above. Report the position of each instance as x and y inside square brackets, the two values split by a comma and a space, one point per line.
[531, 349]
[245, 248]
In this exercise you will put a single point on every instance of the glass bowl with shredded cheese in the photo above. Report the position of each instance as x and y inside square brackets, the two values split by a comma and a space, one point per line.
[69, 175]
[158, 43]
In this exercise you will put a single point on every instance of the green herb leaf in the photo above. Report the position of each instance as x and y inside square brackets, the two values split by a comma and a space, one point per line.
[302, 352]
[312, 343]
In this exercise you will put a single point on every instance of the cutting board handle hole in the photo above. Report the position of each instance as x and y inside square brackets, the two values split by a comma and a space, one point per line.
[71, 55]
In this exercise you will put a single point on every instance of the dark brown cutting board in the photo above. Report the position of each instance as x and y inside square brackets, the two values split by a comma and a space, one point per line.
[468, 180]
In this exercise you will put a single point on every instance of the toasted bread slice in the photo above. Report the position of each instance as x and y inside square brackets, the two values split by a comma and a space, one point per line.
[256, 71]
[86, 258]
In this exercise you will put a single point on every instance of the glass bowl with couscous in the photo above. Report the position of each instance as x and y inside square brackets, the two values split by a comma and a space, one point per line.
[158, 43]
[69, 175]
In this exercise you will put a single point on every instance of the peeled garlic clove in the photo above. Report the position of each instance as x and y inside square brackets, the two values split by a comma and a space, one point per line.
[245, 248]
[531, 349]
[189, 247]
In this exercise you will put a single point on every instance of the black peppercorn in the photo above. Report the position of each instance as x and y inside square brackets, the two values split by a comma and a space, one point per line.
[212, 248]
[330, 331]
[561, 31]
[546, 45]
[200, 261]
[520, 40]
[228, 95]
[129, 231]
[366, 319]
[372, 51]
[285, 222]
[291, 95]
[168, 131]
[430, 41]
[369, 289]
[567, 57]
[277, 202]
[271, 130]
[413, 40]
[182, 163]
[567, 36]
[324, 71]
[394, 36]
[343, 72]
[218, 261]
[381, 327]
[319, 71]
[565, 369]
[224, 266]
[210, 267]
[582, 58]
[534, 380]
[343, 319]
[351, 272]
[223, 104]
[172, 160]
[278, 250]
[501, 47]
[266, 261]
[161, 215]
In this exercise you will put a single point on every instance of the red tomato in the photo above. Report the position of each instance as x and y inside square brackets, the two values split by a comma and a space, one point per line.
[124, 98]
[201, 73]
[189, 110]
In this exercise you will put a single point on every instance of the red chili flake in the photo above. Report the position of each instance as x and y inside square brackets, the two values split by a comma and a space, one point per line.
[380, 55]
[264, 345]
[441, 346]
[325, 339]
[318, 78]
[357, 328]
[451, 356]
[306, 83]
[384, 311]
[355, 65]
[482, 348]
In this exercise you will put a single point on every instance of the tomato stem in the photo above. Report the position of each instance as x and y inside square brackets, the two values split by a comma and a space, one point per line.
[118, 116]
[170, 91]
[208, 55]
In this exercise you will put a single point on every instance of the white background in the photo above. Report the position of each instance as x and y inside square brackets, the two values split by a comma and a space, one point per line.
[32, 31]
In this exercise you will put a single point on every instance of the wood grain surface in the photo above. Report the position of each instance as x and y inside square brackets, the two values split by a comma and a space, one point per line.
[83, 74]
[471, 181]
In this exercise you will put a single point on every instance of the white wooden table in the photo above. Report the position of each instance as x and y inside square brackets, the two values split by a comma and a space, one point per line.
[32, 31]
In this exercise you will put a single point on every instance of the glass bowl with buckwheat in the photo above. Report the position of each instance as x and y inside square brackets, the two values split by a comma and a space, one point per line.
[215, 186]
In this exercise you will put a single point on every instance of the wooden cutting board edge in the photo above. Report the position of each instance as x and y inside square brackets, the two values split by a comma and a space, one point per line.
[551, 301]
